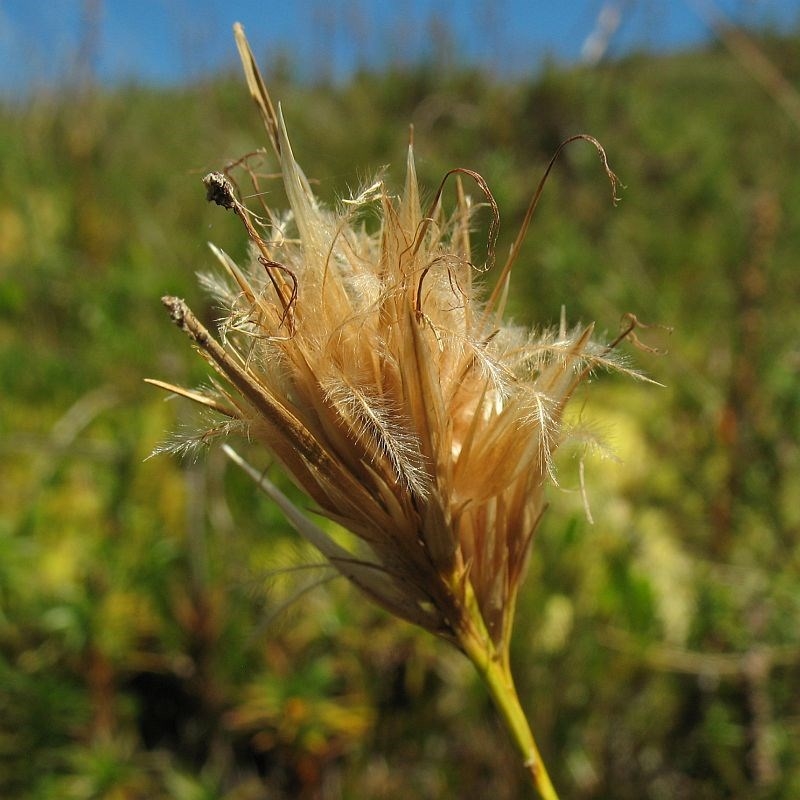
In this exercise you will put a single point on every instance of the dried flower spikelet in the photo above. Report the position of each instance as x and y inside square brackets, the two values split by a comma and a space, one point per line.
[364, 361]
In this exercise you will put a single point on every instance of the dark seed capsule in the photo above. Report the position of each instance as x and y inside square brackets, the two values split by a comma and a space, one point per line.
[219, 190]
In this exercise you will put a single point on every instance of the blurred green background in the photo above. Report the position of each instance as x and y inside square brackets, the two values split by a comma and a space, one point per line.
[159, 635]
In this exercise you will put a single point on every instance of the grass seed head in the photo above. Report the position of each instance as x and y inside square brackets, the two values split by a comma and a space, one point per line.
[364, 359]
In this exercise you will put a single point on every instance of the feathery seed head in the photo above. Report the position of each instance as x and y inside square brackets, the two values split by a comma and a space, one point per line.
[367, 364]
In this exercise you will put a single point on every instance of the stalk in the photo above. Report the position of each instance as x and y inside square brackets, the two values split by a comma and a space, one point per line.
[495, 671]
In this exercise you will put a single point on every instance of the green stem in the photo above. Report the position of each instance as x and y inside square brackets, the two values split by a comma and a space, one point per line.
[496, 674]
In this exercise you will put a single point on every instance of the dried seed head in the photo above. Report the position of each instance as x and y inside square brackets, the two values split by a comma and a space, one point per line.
[367, 364]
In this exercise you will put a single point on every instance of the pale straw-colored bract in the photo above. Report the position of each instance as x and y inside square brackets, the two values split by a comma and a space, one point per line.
[360, 354]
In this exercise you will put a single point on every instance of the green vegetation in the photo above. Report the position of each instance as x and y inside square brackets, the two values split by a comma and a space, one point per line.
[145, 651]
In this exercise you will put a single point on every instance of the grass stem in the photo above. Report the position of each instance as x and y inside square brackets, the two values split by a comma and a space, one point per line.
[496, 674]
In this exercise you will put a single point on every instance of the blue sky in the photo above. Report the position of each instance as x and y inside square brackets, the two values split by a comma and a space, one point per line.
[168, 41]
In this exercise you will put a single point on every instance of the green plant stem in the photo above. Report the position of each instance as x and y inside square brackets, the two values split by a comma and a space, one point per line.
[496, 674]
